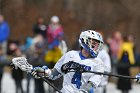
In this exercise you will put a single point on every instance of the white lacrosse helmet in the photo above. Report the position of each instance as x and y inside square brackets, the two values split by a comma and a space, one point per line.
[91, 41]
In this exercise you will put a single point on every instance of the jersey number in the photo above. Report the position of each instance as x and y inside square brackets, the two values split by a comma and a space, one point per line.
[77, 77]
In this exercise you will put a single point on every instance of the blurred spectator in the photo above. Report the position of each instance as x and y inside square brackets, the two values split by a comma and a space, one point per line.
[114, 45]
[52, 56]
[39, 60]
[56, 46]
[54, 32]
[12, 46]
[35, 49]
[132, 40]
[28, 48]
[138, 57]
[28, 43]
[4, 33]
[2, 63]
[128, 47]
[35, 55]
[55, 41]
[29, 54]
[40, 27]
[17, 74]
[126, 58]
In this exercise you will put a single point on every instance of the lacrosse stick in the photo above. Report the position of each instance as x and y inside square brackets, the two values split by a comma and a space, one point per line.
[21, 62]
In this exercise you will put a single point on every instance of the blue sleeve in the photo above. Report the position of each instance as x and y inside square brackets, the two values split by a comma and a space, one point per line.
[4, 32]
[7, 31]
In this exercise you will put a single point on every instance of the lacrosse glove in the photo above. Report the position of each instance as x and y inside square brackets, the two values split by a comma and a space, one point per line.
[138, 78]
[38, 72]
[73, 66]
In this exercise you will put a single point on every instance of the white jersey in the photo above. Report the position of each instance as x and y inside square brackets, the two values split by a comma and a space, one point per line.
[104, 56]
[70, 86]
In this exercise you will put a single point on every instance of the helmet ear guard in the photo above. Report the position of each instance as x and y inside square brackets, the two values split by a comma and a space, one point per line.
[91, 41]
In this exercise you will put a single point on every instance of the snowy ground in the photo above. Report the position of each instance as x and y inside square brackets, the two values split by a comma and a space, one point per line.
[9, 87]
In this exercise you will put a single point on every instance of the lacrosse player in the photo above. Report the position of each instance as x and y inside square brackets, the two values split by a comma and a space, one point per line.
[83, 60]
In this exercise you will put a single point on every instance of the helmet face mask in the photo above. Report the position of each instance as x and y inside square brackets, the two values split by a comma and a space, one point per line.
[91, 41]
[94, 44]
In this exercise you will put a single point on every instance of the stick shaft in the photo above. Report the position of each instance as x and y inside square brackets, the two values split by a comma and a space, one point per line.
[49, 83]
[108, 74]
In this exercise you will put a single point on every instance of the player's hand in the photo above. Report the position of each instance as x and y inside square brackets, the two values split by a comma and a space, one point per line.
[138, 78]
[40, 71]
[36, 71]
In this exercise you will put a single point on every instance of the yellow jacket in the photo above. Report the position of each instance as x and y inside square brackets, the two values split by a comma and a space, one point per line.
[53, 55]
[127, 46]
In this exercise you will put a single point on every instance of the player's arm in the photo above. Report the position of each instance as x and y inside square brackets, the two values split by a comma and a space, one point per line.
[50, 73]
[45, 72]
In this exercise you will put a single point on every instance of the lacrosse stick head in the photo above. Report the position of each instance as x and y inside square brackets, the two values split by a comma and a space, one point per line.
[21, 62]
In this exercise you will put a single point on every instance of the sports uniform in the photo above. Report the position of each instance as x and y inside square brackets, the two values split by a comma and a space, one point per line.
[85, 59]
[69, 83]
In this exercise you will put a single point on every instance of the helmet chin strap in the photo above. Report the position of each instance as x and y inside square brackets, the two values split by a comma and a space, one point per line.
[91, 54]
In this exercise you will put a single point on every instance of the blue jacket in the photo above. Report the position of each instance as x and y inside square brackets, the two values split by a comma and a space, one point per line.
[4, 31]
